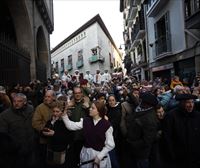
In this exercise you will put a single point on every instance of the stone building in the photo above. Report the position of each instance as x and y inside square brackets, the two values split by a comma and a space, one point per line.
[169, 37]
[24, 40]
[91, 47]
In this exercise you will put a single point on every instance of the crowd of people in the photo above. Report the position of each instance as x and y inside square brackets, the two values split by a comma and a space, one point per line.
[102, 120]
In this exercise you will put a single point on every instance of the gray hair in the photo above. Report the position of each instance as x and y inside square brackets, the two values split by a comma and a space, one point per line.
[22, 96]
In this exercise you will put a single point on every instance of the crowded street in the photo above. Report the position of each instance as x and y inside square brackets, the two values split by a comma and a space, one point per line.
[87, 100]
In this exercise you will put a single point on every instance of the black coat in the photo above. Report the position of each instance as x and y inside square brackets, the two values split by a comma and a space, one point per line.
[181, 133]
[114, 115]
[59, 141]
[141, 133]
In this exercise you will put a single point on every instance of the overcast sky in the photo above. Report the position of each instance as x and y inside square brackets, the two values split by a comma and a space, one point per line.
[69, 15]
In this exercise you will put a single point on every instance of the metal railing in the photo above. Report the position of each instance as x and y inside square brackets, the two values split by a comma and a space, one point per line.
[162, 45]
[14, 62]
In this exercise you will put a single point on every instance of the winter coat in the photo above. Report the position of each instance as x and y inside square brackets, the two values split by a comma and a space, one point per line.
[59, 141]
[141, 132]
[18, 124]
[181, 133]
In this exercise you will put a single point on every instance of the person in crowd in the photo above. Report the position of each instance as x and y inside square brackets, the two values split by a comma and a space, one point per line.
[114, 116]
[16, 122]
[41, 115]
[164, 96]
[181, 134]
[141, 131]
[157, 153]
[128, 107]
[173, 102]
[58, 136]
[4, 99]
[84, 86]
[88, 77]
[77, 75]
[78, 108]
[97, 78]
[97, 133]
[101, 97]
[175, 81]
[106, 77]
[65, 79]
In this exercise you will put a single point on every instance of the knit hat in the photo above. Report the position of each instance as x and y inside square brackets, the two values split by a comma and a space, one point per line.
[148, 98]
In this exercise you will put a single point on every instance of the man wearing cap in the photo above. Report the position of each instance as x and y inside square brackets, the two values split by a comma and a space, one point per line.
[181, 134]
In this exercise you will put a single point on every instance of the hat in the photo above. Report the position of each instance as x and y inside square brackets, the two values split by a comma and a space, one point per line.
[185, 96]
[2, 90]
[76, 70]
[148, 98]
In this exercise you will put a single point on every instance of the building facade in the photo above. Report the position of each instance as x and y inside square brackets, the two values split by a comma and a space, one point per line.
[172, 37]
[91, 47]
[24, 40]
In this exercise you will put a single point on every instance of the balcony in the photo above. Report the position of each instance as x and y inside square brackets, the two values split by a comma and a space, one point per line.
[96, 58]
[79, 63]
[155, 7]
[163, 47]
[192, 14]
[69, 67]
[132, 12]
[93, 58]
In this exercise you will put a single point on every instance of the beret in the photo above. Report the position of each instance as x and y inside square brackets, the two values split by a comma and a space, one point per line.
[185, 96]
[148, 98]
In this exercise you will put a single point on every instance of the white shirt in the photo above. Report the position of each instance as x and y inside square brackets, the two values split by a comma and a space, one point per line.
[106, 77]
[89, 77]
[109, 142]
[97, 79]
[66, 78]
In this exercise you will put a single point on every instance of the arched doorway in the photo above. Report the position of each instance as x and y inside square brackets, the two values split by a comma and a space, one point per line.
[42, 55]
[14, 61]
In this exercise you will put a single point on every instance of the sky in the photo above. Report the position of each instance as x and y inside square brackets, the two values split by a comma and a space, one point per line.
[69, 15]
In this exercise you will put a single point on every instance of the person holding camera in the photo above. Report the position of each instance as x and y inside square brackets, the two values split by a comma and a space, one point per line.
[58, 137]
[41, 115]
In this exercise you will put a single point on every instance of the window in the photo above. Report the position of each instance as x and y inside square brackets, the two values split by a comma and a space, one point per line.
[70, 59]
[80, 55]
[162, 35]
[57, 67]
[62, 65]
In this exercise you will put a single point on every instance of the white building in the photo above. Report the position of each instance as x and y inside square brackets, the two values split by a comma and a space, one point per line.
[91, 47]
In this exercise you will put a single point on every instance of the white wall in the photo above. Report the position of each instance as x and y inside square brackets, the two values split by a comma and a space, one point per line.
[94, 36]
